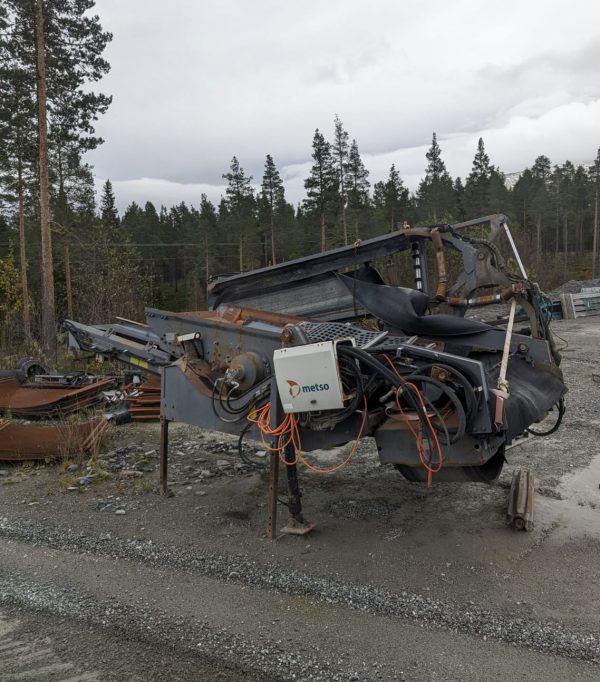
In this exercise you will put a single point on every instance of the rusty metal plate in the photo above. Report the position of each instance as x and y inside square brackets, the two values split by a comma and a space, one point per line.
[30, 401]
[41, 441]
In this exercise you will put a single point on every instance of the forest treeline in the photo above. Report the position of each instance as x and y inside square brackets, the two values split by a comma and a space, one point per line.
[103, 264]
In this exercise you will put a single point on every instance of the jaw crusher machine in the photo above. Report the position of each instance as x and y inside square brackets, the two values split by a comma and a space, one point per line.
[321, 351]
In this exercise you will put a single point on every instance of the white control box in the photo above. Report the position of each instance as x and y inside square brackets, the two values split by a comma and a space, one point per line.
[308, 377]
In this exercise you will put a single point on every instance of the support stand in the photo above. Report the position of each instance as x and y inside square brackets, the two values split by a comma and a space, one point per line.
[296, 524]
[164, 454]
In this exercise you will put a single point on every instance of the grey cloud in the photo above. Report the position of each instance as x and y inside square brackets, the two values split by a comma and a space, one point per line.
[196, 83]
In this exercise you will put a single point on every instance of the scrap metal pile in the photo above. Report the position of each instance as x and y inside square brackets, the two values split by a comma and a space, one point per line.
[326, 349]
[30, 392]
[46, 398]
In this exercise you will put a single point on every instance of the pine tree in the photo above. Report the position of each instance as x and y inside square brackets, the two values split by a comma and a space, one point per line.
[240, 204]
[340, 150]
[392, 197]
[540, 199]
[459, 194]
[272, 201]
[435, 194]
[322, 186]
[17, 148]
[60, 47]
[208, 234]
[357, 184]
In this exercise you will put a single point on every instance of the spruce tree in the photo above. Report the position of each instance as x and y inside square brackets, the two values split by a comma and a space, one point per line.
[459, 195]
[322, 186]
[208, 235]
[240, 205]
[357, 184]
[108, 208]
[477, 186]
[545, 202]
[436, 193]
[272, 201]
[392, 198]
[340, 151]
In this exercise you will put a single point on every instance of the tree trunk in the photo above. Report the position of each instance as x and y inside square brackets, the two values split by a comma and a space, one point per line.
[565, 246]
[68, 281]
[23, 262]
[323, 232]
[344, 224]
[206, 265]
[273, 257]
[595, 240]
[241, 253]
[48, 301]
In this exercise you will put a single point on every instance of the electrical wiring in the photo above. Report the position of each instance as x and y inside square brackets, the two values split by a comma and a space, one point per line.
[242, 455]
[451, 395]
[472, 398]
[427, 440]
[426, 460]
[225, 401]
[287, 434]
[242, 413]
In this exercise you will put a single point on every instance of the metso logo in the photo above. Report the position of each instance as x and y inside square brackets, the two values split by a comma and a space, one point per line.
[296, 389]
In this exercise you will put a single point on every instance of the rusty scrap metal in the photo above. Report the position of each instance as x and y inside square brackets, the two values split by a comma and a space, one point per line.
[143, 401]
[26, 400]
[42, 441]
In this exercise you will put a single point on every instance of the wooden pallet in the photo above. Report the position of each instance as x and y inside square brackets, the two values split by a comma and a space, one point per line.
[580, 305]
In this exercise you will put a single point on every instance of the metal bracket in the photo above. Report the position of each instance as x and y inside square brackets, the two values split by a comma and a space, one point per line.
[520, 500]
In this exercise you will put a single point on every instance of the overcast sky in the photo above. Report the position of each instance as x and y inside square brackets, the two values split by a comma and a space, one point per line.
[197, 81]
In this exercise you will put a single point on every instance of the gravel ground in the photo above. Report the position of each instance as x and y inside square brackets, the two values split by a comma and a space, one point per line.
[466, 618]
[397, 582]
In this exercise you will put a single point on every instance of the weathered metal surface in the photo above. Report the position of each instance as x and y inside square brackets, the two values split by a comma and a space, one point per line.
[305, 284]
[129, 342]
[41, 441]
[46, 401]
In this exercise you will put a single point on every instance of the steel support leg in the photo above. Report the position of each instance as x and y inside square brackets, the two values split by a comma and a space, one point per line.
[294, 494]
[276, 417]
[164, 454]
[273, 487]
[296, 524]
